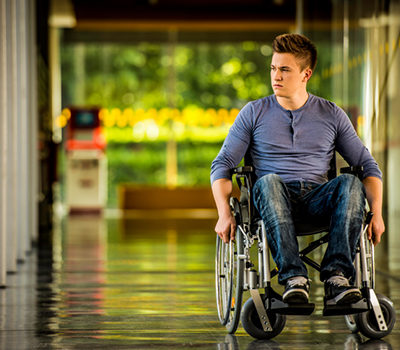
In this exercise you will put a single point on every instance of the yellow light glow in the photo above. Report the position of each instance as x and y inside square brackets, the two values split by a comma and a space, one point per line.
[67, 113]
[190, 116]
[61, 121]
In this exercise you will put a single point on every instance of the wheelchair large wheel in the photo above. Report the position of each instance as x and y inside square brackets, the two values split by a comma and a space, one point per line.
[252, 324]
[229, 281]
[367, 323]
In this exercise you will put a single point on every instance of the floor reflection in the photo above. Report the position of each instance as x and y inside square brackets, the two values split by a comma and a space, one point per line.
[352, 342]
[140, 284]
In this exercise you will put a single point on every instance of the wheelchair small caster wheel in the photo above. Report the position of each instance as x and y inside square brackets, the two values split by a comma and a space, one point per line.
[368, 324]
[252, 324]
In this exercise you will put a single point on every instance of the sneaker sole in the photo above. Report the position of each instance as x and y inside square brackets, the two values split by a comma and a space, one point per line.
[347, 297]
[295, 296]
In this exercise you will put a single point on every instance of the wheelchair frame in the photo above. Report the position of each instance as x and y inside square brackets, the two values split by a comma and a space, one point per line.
[263, 315]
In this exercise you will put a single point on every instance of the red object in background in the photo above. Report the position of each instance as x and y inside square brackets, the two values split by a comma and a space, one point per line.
[84, 130]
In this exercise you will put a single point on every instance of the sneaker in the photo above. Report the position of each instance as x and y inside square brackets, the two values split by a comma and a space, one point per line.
[296, 290]
[339, 291]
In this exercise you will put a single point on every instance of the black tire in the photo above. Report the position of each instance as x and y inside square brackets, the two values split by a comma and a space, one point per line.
[229, 272]
[368, 325]
[252, 324]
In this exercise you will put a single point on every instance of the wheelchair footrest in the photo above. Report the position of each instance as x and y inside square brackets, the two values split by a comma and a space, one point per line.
[346, 309]
[279, 307]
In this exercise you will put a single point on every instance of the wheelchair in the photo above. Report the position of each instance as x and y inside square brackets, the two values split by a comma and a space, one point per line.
[244, 265]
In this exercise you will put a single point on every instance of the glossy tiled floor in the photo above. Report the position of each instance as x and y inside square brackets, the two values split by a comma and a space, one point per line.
[147, 284]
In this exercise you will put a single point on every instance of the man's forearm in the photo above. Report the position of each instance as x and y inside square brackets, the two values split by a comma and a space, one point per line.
[226, 224]
[222, 190]
[374, 190]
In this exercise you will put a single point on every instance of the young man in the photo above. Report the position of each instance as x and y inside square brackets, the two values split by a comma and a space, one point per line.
[292, 136]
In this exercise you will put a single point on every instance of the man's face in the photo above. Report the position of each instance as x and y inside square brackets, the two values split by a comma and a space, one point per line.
[286, 76]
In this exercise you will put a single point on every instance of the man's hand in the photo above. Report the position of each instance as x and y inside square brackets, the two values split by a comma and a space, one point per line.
[374, 190]
[376, 229]
[226, 227]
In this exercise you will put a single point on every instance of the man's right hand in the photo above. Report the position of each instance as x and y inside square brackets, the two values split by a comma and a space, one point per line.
[226, 227]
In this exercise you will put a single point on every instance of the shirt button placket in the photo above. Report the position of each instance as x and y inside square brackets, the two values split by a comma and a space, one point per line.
[293, 124]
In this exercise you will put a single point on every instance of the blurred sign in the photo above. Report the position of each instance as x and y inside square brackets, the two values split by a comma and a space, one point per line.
[86, 162]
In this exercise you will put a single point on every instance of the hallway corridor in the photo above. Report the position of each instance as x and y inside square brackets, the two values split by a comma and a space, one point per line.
[147, 284]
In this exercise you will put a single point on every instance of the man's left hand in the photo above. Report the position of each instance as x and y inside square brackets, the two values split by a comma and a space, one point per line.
[376, 228]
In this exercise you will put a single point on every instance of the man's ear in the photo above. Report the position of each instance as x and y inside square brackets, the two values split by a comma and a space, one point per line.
[307, 74]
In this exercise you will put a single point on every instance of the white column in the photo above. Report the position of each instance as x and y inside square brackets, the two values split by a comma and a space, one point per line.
[299, 16]
[12, 113]
[346, 47]
[33, 124]
[3, 143]
[23, 140]
[20, 130]
[18, 133]
[18, 102]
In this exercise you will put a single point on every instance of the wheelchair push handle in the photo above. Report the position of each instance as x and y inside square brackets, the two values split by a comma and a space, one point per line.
[247, 169]
[354, 170]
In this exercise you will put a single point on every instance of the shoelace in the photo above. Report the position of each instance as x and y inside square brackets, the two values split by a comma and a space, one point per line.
[339, 281]
[297, 281]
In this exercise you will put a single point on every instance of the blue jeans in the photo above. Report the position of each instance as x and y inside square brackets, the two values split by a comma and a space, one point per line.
[340, 203]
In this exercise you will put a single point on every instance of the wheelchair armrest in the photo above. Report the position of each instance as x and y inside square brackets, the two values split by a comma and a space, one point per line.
[243, 170]
[354, 170]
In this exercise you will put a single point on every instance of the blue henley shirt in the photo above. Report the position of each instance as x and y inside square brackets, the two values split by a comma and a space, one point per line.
[296, 145]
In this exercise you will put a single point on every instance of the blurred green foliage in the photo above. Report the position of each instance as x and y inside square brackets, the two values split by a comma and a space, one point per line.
[155, 76]
[149, 75]
[145, 163]
[134, 162]
[194, 161]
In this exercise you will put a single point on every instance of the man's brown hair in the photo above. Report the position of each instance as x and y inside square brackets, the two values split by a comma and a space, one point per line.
[300, 46]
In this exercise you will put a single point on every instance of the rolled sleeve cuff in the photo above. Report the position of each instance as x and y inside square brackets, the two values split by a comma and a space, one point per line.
[220, 174]
[372, 173]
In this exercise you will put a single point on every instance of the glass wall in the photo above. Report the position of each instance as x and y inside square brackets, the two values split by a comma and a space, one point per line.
[166, 107]
[359, 70]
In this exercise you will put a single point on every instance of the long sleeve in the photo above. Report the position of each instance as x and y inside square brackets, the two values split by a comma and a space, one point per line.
[352, 149]
[234, 146]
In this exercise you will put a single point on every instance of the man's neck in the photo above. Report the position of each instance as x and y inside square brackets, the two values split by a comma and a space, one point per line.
[293, 102]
